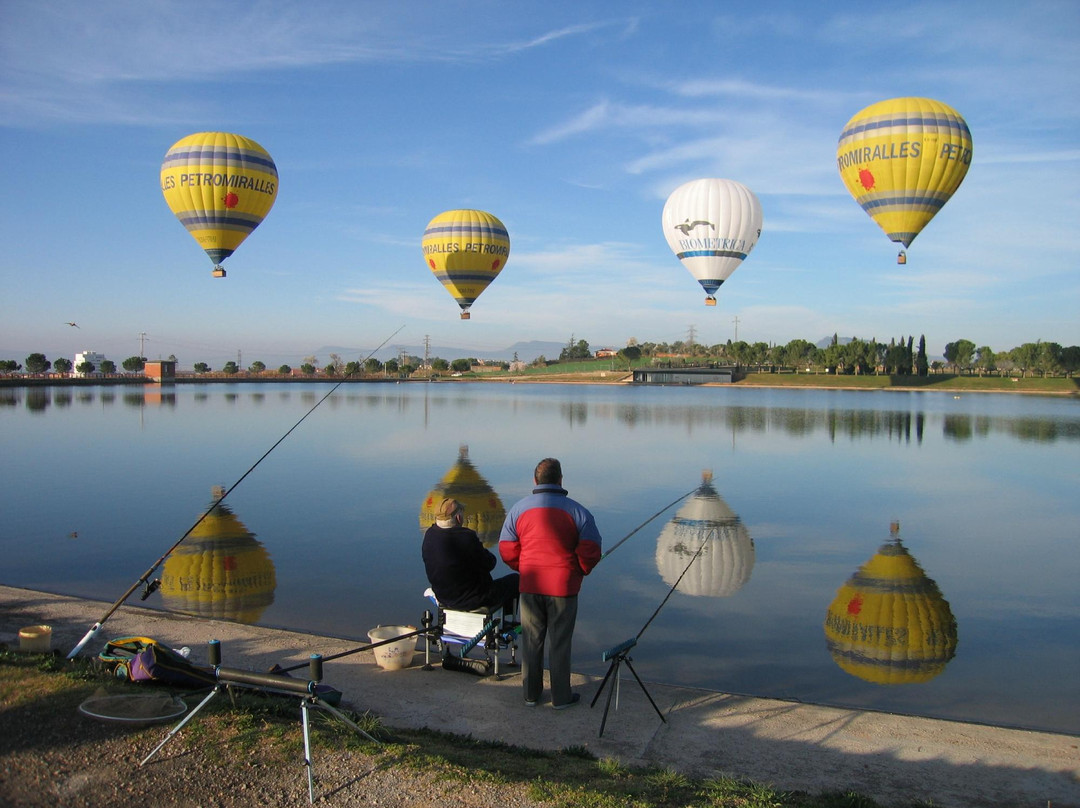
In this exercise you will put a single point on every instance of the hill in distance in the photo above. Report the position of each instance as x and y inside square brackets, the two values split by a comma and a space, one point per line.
[526, 352]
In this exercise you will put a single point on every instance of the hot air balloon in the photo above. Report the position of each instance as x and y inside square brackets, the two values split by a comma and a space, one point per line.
[711, 226]
[465, 250]
[727, 559]
[902, 160]
[484, 511]
[219, 571]
[889, 624]
[220, 186]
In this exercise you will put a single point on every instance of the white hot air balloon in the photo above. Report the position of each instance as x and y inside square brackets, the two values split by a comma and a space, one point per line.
[727, 558]
[712, 225]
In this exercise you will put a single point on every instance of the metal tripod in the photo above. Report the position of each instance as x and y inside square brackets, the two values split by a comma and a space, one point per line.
[620, 655]
[270, 683]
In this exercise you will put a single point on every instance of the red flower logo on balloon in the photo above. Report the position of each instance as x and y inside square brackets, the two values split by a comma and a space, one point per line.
[866, 179]
[231, 200]
[855, 605]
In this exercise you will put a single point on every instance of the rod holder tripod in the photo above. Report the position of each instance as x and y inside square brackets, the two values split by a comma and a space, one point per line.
[620, 655]
[270, 683]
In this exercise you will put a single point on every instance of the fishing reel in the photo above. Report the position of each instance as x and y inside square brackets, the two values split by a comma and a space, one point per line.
[149, 588]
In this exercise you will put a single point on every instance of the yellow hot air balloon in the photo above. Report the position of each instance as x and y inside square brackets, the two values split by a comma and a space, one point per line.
[889, 624]
[727, 559]
[484, 511]
[466, 250]
[219, 571]
[902, 160]
[220, 186]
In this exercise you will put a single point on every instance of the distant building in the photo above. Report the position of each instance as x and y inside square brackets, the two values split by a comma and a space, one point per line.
[605, 353]
[93, 357]
[712, 375]
[160, 370]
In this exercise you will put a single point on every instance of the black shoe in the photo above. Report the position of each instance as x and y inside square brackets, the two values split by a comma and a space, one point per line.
[574, 699]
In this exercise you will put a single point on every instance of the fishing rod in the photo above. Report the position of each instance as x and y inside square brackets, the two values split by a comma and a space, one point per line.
[639, 527]
[476, 639]
[144, 580]
[620, 654]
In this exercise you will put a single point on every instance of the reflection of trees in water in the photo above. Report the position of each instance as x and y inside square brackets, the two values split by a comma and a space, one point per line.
[134, 399]
[903, 426]
[1040, 430]
[575, 412]
[37, 400]
[797, 422]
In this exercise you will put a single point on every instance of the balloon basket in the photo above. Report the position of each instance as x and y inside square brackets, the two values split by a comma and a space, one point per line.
[466, 316]
[901, 258]
[710, 301]
[219, 272]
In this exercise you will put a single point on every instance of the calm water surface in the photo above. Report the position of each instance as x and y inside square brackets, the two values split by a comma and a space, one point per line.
[791, 586]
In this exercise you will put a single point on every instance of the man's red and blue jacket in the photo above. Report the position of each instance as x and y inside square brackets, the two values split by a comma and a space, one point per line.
[551, 540]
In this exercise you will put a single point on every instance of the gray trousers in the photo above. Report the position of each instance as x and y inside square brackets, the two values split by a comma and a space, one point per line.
[547, 619]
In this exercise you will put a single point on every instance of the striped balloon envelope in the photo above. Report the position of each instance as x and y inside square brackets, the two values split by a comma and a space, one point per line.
[465, 250]
[220, 186]
[889, 624]
[902, 160]
[484, 511]
[219, 571]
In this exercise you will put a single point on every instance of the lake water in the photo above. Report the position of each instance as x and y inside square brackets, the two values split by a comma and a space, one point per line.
[791, 586]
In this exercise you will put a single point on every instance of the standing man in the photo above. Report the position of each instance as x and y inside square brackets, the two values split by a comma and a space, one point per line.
[552, 541]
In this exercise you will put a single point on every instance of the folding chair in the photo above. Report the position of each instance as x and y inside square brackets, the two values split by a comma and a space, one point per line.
[485, 630]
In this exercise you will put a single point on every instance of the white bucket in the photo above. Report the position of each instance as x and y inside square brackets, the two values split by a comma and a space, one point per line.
[394, 655]
[36, 639]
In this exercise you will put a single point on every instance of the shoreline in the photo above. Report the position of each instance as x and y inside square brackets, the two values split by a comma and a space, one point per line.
[955, 385]
[892, 758]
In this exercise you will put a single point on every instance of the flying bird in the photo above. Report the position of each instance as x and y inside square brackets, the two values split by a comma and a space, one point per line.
[74, 325]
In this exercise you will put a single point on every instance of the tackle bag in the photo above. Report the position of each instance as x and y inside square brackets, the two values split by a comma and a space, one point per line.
[144, 659]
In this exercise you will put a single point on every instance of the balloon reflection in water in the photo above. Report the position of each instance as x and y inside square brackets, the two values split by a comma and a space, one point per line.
[220, 570]
[726, 561]
[889, 624]
[484, 511]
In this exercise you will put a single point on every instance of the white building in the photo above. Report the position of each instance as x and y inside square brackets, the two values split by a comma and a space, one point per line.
[93, 357]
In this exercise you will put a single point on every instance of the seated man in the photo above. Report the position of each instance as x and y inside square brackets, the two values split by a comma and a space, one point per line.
[459, 566]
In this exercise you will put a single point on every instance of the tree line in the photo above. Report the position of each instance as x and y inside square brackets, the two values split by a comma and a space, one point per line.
[899, 356]
[903, 356]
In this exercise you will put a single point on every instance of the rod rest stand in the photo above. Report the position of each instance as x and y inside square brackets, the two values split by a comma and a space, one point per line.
[305, 690]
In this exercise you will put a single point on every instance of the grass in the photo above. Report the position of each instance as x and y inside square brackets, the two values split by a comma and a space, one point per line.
[945, 382]
[267, 726]
[603, 371]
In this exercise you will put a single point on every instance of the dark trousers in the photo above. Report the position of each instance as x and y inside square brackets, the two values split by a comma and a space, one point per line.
[550, 620]
[503, 594]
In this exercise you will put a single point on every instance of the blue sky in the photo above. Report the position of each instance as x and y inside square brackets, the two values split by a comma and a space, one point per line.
[571, 122]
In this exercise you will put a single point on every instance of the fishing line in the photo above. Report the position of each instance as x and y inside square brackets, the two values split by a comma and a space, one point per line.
[145, 579]
[605, 555]
[709, 535]
[620, 654]
[639, 527]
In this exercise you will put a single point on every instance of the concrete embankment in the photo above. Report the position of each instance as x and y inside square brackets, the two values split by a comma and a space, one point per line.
[894, 759]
